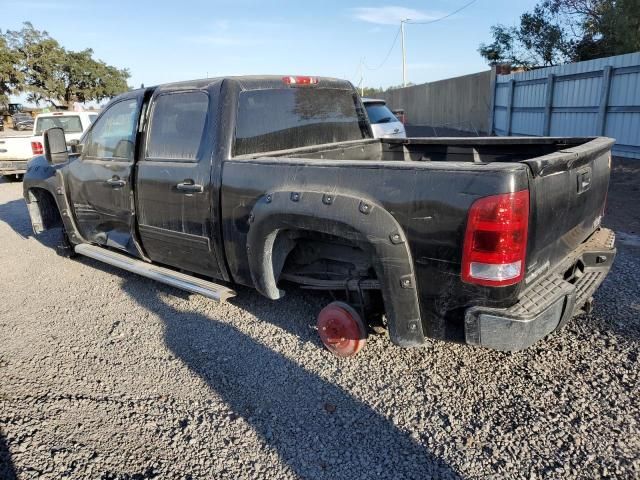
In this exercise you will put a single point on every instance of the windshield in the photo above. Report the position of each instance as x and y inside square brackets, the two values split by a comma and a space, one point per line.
[22, 117]
[280, 119]
[380, 113]
[70, 124]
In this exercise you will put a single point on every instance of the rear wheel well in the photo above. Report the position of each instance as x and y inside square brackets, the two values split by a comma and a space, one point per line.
[43, 210]
[346, 268]
[315, 255]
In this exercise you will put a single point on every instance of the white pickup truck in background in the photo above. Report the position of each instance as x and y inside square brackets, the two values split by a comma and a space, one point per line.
[17, 150]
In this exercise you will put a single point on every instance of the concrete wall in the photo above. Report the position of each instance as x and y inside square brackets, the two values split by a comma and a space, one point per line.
[461, 102]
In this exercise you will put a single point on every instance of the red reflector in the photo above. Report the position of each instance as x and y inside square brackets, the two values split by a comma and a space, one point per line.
[495, 243]
[299, 80]
[36, 148]
[57, 113]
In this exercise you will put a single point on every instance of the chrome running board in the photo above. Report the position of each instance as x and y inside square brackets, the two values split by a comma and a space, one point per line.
[164, 275]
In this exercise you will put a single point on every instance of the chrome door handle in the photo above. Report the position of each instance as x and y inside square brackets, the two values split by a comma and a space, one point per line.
[189, 187]
[116, 182]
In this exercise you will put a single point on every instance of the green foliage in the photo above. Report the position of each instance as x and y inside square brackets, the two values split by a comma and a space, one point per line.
[370, 92]
[46, 71]
[557, 31]
[608, 27]
[10, 76]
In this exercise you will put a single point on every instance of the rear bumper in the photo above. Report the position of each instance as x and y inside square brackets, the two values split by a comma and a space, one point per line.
[11, 168]
[548, 304]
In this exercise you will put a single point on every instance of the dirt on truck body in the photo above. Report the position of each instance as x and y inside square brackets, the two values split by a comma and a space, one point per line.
[259, 180]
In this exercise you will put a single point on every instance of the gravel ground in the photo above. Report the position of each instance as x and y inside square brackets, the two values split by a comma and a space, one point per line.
[104, 374]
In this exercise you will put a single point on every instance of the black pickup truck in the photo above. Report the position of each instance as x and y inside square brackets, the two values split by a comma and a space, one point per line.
[264, 180]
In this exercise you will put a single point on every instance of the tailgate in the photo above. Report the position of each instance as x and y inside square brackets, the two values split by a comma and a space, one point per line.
[15, 148]
[568, 193]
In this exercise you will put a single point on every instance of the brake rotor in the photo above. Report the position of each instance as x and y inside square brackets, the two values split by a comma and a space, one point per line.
[341, 329]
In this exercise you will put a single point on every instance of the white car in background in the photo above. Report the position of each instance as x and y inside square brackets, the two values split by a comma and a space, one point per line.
[74, 125]
[383, 122]
[17, 150]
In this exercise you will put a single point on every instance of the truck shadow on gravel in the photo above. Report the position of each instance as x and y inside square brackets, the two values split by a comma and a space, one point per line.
[7, 470]
[15, 214]
[318, 429]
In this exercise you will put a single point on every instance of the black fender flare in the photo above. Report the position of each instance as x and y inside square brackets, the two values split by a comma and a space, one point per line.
[348, 216]
[41, 175]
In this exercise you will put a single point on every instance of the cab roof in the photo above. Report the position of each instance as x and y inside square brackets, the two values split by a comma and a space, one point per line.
[256, 82]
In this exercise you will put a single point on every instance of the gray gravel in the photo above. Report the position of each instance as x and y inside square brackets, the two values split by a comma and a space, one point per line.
[104, 374]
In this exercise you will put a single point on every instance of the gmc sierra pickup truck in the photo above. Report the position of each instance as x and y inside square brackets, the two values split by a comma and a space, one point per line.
[264, 180]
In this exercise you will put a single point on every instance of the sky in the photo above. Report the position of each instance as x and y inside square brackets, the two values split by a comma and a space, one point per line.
[161, 41]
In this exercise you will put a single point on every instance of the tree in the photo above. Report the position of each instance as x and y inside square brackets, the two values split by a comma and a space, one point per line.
[51, 73]
[85, 79]
[543, 37]
[539, 40]
[604, 27]
[557, 31]
[10, 77]
[39, 59]
[503, 47]
[371, 91]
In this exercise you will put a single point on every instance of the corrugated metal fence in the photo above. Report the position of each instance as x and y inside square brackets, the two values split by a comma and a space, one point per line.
[597, 97]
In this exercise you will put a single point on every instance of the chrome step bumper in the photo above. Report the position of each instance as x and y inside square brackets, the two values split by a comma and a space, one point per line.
[208, 289]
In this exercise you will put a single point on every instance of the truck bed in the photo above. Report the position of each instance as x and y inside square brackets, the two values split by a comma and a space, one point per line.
[429, 184]
[440, 149]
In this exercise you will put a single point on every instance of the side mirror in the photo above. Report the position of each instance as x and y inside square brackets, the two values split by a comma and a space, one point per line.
[55, 146]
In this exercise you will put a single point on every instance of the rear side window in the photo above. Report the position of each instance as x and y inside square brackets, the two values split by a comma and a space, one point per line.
[280, 119]
[70, 124]
[177, 125]
[380, 113]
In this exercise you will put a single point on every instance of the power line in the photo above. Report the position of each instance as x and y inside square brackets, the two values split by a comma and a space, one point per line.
[395, 39]
[388, 54]
[409, 22]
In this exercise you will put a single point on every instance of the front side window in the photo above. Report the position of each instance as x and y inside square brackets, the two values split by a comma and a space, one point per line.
[177, 126]
[70, 124]
[113, 135]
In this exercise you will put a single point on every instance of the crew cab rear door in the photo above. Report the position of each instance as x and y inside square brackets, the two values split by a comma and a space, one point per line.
[175, 196]
[99, 182]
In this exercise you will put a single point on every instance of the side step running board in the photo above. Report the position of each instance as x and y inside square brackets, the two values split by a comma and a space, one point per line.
[176, 279]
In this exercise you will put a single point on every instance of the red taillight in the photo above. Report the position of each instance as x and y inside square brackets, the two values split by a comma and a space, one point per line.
[495, 243]
[36, 148]
[299, 80]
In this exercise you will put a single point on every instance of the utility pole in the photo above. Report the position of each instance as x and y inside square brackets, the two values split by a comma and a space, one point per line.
[404, 53]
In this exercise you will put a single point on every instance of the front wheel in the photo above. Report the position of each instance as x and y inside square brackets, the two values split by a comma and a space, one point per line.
[341, 329]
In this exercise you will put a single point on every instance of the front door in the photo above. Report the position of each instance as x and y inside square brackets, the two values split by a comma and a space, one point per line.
[175, 198]
[99, 181]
